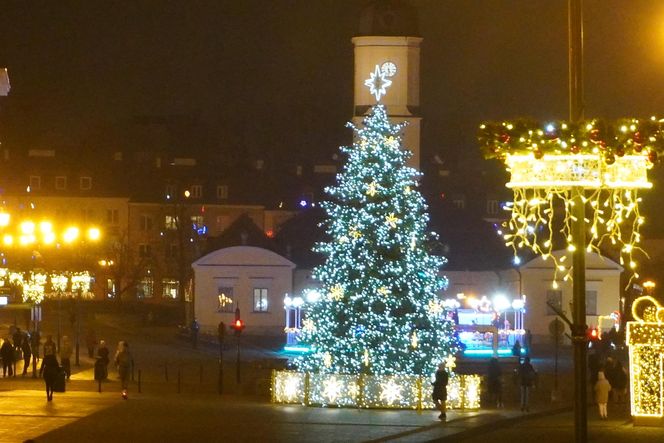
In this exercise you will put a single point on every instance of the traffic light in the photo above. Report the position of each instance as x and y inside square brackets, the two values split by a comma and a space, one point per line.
[238, 324]
[593, 336]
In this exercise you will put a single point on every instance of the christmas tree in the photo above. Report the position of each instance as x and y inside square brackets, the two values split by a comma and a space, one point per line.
[378, 312]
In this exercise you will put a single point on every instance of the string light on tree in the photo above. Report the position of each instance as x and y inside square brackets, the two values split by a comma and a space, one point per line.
[376, 318]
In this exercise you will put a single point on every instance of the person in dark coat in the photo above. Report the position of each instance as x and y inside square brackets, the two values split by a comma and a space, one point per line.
[102, 353]
[439, 394]
[49, 370]
[27, 353]
[124, 362]
[527, 378]
[494, 382]
[7, 354]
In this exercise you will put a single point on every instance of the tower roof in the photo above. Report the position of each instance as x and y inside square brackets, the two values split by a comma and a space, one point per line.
[388, 18]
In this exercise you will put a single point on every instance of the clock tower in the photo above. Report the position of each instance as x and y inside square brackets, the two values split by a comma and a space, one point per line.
[387, 68]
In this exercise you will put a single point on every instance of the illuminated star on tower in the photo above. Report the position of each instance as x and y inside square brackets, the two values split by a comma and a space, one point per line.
[378, 83]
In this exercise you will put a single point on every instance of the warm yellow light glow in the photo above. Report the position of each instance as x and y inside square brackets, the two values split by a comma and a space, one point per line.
[7, 240]
[371, 391]
[70, 235]
[4, 219]
[49, 238]
[45, 227]
[94, 234]
[27, 228]
[582, 170]
[26, 239]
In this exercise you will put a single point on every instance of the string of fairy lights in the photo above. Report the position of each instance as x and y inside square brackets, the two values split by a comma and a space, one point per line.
[35, 286]
[550, 163]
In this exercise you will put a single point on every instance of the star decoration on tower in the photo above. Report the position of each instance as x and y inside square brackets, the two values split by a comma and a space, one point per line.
[378, 83]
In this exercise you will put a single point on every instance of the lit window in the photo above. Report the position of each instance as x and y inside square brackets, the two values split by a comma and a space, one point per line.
[145, 288]
[35, 182]
[196, 191]
[260, 300]
[61, 182]
[171, 222]
[222, 192]
[110, 288]
[169, 288]
[197, 221]
[226, 300]
[86, 183]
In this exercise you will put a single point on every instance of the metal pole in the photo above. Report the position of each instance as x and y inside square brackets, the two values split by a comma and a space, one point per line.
[78, 328]
[576, 110]
[237, 364]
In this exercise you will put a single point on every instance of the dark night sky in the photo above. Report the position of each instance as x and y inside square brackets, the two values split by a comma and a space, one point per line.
[275, 76]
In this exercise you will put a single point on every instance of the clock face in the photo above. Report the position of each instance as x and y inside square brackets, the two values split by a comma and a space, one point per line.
[389, 69]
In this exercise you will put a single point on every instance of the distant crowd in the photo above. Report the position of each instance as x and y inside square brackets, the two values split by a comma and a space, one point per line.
[54, 361]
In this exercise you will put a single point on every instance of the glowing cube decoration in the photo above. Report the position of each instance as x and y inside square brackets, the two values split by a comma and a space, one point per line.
[645, 338]
[371, 391]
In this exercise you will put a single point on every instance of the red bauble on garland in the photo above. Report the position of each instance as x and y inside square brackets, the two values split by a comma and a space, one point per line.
[652, 156]
[574, 149]
[620, 151]
[538, 154]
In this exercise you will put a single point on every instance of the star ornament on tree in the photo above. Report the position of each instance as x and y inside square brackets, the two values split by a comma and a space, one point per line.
[372, 189]
[392, 220]
[378, 83]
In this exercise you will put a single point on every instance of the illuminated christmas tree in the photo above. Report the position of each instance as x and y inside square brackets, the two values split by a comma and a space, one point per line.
[378, 312]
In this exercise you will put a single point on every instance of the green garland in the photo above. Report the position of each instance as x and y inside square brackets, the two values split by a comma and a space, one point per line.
[627, 136]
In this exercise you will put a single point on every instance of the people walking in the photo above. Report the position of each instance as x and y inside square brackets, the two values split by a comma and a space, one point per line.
[439, 394]
[103, 355]
[27, 353]
[618, 382]
[602, 389]
[49, 370]
[494, 382]
[49, 346]
[7, 354]
[527, 378]
[65, 356]
[124, 360]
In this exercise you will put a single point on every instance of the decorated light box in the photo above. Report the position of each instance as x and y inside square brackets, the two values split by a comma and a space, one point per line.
[645, 338]
[371, 391]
